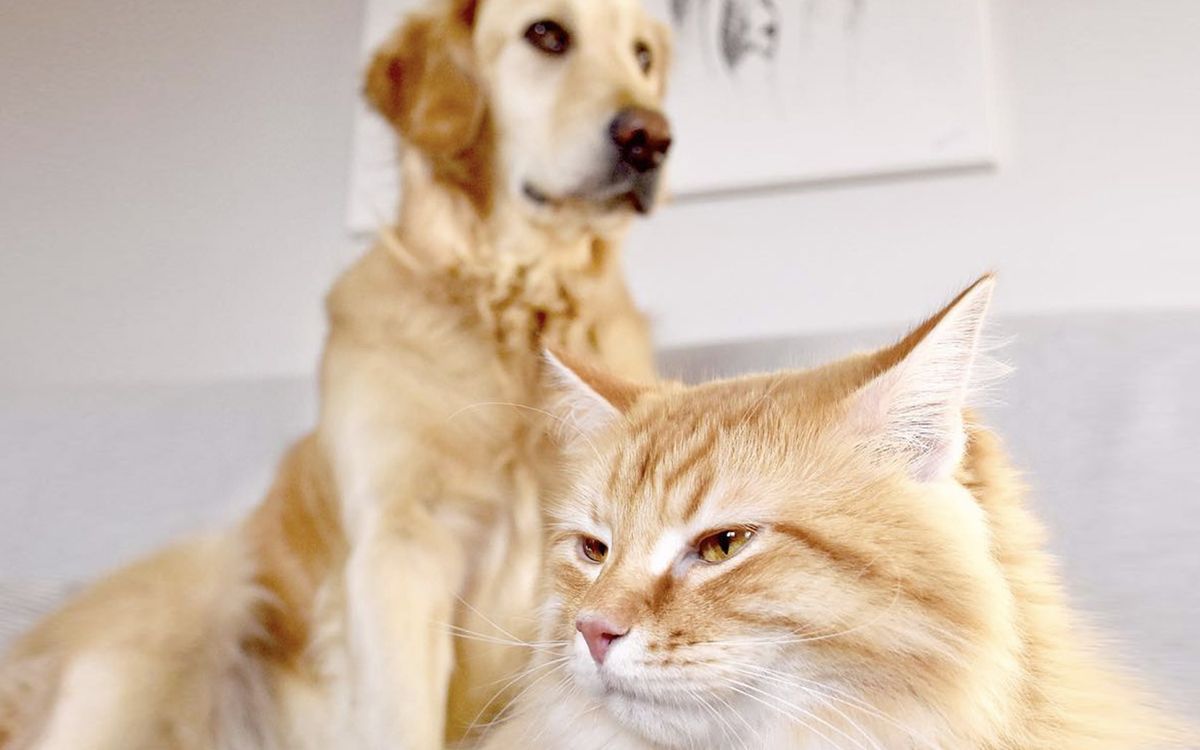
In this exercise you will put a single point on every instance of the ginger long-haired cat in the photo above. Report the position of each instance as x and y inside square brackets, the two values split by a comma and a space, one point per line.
[832, 558]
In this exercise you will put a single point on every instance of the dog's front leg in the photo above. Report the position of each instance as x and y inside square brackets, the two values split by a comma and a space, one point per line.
[401, 579]
[105, 701]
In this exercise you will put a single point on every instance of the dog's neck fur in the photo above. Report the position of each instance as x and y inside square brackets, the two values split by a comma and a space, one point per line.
[522, 276]
[441, 230]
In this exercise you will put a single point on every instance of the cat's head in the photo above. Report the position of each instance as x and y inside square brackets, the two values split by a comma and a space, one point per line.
[786, 545]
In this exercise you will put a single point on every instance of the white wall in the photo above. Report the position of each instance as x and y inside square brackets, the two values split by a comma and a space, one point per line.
[172, 182]
[1096, 203]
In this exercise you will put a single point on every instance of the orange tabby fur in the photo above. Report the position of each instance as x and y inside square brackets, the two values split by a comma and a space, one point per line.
[896, 593]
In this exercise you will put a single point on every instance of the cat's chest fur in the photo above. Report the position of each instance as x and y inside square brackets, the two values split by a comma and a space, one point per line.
[584, 723]
[610, 737]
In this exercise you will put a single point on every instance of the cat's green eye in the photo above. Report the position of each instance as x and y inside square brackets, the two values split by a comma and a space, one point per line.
[723, 545]
[593, 549]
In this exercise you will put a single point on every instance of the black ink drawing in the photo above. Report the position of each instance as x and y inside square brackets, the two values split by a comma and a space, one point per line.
[743, 29]
[738, 29]
[748, 27]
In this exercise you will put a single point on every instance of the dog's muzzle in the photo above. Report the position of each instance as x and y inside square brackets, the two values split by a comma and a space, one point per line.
[642, 137]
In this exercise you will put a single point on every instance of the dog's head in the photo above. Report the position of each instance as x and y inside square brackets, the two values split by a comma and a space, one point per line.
[557, 103]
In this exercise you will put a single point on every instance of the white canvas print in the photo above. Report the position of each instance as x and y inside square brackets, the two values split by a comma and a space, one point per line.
[779, 92]
[771, 92]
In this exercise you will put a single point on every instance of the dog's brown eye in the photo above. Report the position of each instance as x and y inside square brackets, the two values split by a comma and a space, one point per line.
[723, 545]
[645, 58]
[593, 549]
[549, 37]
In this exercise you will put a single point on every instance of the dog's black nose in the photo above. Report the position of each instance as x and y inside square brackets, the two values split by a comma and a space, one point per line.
[642, 136]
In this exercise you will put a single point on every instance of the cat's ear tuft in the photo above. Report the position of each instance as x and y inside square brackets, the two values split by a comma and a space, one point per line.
[585, 399]
[912, 411]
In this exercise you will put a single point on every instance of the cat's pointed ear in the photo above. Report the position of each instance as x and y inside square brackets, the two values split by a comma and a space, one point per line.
[912, 410]
[586, 399]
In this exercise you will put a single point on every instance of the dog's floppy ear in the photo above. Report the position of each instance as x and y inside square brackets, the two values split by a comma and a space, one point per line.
[422, 81]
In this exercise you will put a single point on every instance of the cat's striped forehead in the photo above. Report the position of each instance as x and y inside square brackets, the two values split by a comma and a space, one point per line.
[688, 465]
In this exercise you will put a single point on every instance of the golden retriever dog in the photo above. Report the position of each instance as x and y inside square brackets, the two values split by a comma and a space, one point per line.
[381, 594]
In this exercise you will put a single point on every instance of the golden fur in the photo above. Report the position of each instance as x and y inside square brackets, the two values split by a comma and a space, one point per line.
[895, 593]
[412, 513]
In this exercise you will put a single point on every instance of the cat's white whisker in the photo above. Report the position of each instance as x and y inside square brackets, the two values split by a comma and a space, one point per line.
[723, 725]
[832, 693]
[587, 708]
[485, 618]
[734, 686]
[509, 712]
[470, 635]
[809, 713]
[562, 682]
[526, 672]
[755, 733]
[819, 696]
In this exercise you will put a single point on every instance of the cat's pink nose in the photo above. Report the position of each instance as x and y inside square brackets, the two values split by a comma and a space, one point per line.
[599, 632]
